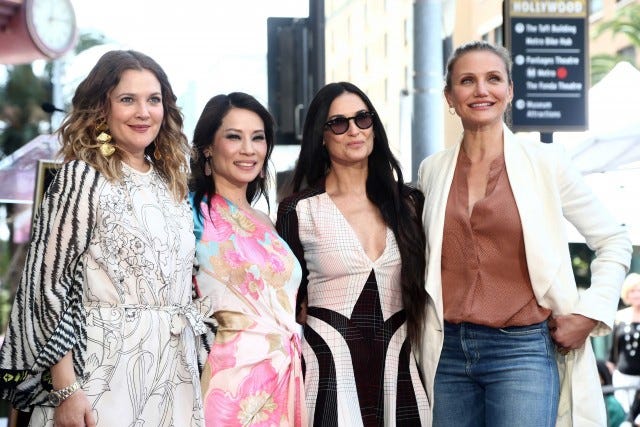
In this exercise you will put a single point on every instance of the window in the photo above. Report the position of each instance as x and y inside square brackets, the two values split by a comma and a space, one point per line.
[386, 45]
[406, 77]
[366, 59]
[405, 26]
[386, 90]
[595, 6]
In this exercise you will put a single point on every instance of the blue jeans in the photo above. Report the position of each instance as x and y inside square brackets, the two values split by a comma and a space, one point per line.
[496, 377]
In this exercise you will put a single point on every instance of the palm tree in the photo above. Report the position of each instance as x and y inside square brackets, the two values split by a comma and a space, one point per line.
[627, 23]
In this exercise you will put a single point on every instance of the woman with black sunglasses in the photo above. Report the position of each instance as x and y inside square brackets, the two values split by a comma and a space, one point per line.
[356, 229]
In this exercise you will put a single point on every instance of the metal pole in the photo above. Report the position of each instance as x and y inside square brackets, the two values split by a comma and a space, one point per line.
[317, 62]
[546, 137]
[56, 93]
[428, 122]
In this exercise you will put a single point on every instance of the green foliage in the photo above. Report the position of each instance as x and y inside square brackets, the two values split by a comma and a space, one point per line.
[20, 106]
[602, 63]
[626, 22]
[5, 288]
[86, 41]
[22, 95]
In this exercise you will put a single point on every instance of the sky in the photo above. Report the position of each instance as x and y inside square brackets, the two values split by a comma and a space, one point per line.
[206, 47]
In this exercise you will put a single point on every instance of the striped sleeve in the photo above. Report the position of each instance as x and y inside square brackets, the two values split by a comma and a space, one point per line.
[47, 319]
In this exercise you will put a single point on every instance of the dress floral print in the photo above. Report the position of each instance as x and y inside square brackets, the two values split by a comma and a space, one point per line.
[142, 328]
[252, 279]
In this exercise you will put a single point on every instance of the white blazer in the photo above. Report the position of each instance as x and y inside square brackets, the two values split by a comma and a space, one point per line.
[547, 189]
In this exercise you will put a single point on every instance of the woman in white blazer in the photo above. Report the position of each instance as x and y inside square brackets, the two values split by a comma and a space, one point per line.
[506, 332]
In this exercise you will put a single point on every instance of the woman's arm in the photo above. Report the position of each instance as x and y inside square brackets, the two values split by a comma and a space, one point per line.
[287, 227]
[47, 322]
[74, 410]
[604, 235]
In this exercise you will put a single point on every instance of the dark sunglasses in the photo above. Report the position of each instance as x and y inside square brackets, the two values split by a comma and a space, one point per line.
[339, 125]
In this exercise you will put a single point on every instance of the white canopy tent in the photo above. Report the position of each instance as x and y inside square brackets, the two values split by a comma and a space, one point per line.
[613, 137]
[608, 153]
[619, 190]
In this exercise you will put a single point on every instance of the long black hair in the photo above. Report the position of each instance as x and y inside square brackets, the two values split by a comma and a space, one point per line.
[400, 206]
[208, 124]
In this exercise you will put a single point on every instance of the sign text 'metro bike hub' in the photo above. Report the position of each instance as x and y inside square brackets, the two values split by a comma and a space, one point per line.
[548, 44]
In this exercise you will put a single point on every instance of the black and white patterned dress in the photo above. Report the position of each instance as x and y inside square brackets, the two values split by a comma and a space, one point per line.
[359, 367]
[113, 263]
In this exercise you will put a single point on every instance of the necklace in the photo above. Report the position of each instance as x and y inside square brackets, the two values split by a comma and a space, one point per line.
[631, 338]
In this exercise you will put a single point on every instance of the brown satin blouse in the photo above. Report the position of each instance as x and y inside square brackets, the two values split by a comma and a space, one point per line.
[485, 279]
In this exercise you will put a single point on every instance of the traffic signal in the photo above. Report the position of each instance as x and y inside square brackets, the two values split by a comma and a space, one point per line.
[287, 67]
[295, 67]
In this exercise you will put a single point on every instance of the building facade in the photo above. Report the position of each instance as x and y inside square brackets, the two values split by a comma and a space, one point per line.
[370, 43]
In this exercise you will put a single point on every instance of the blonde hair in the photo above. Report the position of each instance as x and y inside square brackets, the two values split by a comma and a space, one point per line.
[90, 107]
[632, 280]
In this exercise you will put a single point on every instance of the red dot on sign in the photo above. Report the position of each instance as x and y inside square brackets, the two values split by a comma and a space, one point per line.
[561, 73]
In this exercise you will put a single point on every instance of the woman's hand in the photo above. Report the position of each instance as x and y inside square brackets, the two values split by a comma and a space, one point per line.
[570, 331]
[75, 411]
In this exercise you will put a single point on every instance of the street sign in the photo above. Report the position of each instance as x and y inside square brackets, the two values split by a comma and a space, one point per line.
[548, 40]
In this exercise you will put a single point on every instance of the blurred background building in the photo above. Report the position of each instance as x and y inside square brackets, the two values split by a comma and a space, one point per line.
[372, 43]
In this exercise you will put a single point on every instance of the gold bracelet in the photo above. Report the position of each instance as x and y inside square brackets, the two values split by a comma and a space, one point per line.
[56, 397]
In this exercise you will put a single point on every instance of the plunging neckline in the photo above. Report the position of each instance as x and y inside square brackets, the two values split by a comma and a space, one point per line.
[355, 235]
[496, 167]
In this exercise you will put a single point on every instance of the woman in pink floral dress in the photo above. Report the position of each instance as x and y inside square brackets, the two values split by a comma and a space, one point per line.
[248, 271]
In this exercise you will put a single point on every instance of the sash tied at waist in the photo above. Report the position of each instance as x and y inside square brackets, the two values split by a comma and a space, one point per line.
[181, 315]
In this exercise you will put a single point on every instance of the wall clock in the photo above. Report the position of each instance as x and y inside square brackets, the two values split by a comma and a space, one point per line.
[40, 29]
[51, 24]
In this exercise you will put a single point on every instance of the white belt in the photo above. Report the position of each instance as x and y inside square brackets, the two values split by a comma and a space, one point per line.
[181, 315]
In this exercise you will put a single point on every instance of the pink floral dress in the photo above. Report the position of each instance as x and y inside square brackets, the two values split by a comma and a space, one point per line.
[252, 278]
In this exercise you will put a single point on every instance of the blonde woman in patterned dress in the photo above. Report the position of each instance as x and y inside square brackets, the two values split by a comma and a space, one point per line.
[251, 276]
[104, 313]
